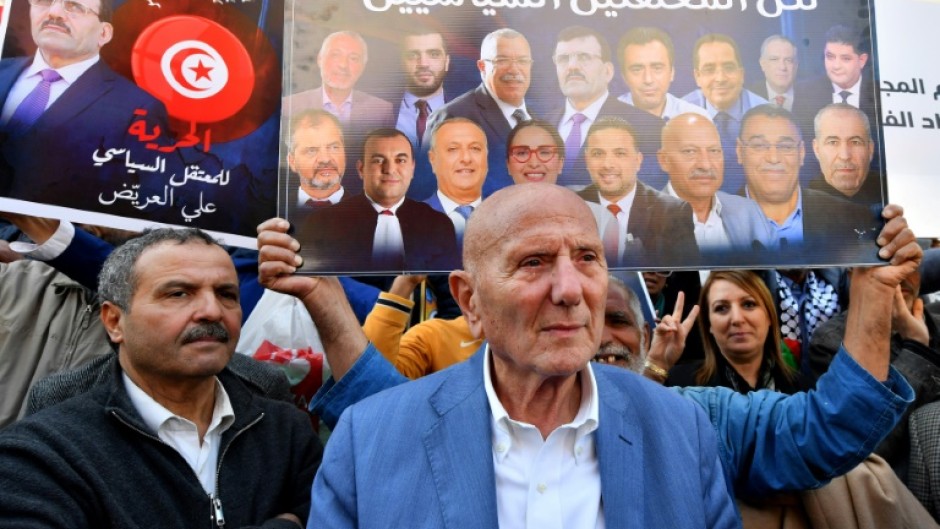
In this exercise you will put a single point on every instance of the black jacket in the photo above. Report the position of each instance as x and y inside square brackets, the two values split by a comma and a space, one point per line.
[91, 462]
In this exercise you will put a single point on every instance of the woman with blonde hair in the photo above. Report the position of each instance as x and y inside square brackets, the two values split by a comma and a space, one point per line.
[741, 338]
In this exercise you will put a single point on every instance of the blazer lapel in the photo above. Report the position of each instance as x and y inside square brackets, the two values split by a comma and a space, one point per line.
[92, 85]
[458, 449]
[619, 456]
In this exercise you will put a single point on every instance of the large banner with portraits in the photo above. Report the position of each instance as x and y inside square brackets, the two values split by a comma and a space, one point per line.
[139, 112]
[720, 133]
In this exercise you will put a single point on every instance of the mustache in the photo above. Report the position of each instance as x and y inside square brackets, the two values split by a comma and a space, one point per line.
[57, 22]
[704, 173]
[327, 165]
[213, 330]
[512, 78]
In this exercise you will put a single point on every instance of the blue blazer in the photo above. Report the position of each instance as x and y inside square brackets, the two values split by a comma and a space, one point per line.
[744, 223]
[420, 455]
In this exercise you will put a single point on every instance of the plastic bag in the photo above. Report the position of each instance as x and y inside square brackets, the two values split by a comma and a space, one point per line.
[280, 331]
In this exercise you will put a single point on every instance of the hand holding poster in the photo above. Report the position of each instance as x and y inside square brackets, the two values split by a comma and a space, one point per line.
[400, 117]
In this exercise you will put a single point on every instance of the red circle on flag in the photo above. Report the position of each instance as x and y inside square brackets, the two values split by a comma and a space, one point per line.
[199, 69]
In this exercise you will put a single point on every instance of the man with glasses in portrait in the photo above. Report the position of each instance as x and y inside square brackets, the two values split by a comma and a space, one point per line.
[498, 104]
[67, 99]
[771, 151]
[584, 68]
[719, 74]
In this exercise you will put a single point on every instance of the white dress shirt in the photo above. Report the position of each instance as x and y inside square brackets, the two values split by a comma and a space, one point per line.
[334, 199]
[623, 218]
[508, 109]
[182, 435]
[787, 97]
[450, 208]
[674, 106]
[551, 483]
[710, 234]
[387, 244]
[853, 98]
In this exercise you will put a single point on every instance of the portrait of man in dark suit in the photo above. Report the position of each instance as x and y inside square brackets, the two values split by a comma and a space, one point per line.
[643, 226]
[64, 104]
[584, 67]
[381, 229]
[316, 154]
[498, 103]
[771, 151]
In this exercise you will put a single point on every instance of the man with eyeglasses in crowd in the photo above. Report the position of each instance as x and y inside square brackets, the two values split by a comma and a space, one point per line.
[719, 74]
[498, 104]
[67, 99]
[771, 151]
[584, 68]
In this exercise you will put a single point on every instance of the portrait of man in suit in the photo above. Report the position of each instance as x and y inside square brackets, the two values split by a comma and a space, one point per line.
[647, 62]
[317, 156]
[498, 103]
[692, 157]
[67, 99]
[719, 74]
[641, 226]
[584, 68]
[458, 158]
[380, 230]
[779, 62]
[844, 148]
[771, 151]
[425, 63]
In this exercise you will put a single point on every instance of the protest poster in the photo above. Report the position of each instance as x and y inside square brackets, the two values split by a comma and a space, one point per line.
[910, 97]
[407, 46]
[176, 124]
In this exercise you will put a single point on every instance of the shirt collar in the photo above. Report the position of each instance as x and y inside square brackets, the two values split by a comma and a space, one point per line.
[334, 199]
[449, 205]
[625, 203]
[156, 415]
[736, 110]
[69, 73]
[590, 112]
[716, 204]
[772, 94]
[328, 101]
[435, 101]
[855, 89]
[585, 421]
[380, 208]
[505, 107]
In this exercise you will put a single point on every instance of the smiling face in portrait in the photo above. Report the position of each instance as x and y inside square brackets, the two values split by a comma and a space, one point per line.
[534, 157]
[612, 160]
[771, 152]
[719, 74]
[341, 63]
[506, 66]
[843, 65]
[386, 169]
[458, 159]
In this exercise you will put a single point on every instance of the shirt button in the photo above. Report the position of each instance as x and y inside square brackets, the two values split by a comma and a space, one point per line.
[541, 488]
[500, 448]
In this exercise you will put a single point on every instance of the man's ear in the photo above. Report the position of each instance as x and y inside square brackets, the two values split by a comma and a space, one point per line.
[462, 290]
[112, 317]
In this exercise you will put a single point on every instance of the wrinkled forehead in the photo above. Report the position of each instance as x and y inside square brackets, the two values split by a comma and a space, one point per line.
[770, 128]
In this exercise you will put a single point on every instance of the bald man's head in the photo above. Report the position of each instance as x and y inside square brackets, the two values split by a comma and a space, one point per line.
[691, 155]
